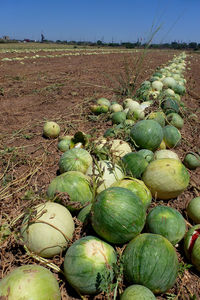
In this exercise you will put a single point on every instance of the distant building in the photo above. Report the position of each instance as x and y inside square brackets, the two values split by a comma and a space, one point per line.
[6, 38]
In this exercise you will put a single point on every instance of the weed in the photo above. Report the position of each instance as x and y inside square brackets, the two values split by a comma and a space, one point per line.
[170, 296]
[1, 91]
[183, 267]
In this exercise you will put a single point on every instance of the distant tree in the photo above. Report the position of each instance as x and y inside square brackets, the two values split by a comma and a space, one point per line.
[99, 43]
[193, 45]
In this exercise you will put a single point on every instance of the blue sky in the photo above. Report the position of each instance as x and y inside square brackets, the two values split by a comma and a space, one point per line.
[107, 20]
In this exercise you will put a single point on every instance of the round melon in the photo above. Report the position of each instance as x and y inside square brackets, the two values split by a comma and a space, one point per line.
[172, 136]
[167, 222]
[137, 292]
[131, 104]
[134, 164]
[192, 245]
[76, 186]
[99, 109]
[151, 260]
[170, 105]
[179, 89]
[118, 148]
[192, 161]
[65, 143]
[157, 116]
[30, 282]
[157, 85]
[103, 101]
[159, 154]
[118, 117]
[136, 186]
[87, 264]
[51, 129]
[166, 178]
[118, 215]
[147, 154]
[193, 210]
[169, 82]
[75, 159]
[175, 120]
[84, 213]
[47, 230]
[147, 134]
[116, 107]
[105, 173]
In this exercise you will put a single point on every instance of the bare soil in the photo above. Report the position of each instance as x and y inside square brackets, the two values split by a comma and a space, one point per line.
[62, 90]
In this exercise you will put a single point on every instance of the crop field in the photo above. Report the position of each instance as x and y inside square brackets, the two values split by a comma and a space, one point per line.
[40, 83]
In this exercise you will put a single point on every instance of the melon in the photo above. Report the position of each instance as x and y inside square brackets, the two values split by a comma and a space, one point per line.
[118, 215]
[147, 154]
[193, 210]
[103, 101]
[172, 136]
[166, 178]
[47, 230]
[192, 245]
[118, 117]
[136, 186]
[157, 116]
[87, 262]
[75, 185]
[175, 120]
[134, 164]
[75, 159]
[167, 222]
[30, 282]
[137, 292]
[146, 134]
[51, 129]
[192, 161]
[159, 154]
[105, 173]
[151, 260]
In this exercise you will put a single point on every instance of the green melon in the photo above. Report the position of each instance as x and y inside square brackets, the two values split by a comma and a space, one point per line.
[192, 161]
[65, 144]
[193, 210]
[103, 101]
[172, 136]
[175, 120]
[118, 215]
[147, 154]
[118, 117]
[137, 292]
[151, 260]
[157, 116]
[87, 262]
[84, 214]
[134, 164]
[170, 105]
[76, 186]
[147, 134]
[179, 89]
[75, 159]
[136, 186]
[99, 109]
[167, 222]
[166, 178]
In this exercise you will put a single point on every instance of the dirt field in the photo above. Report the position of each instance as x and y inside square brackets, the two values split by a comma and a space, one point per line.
[61, 89]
